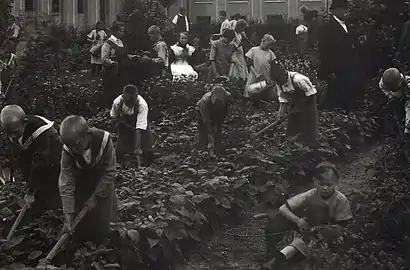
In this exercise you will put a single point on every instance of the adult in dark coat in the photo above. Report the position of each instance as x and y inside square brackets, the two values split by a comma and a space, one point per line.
[340, 64]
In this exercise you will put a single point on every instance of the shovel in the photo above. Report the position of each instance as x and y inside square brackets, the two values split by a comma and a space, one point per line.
[63, 239]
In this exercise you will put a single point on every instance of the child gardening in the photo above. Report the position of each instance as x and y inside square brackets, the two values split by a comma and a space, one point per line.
[396, 87]
[322, 205]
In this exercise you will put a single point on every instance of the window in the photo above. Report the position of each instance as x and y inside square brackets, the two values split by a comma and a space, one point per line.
[203, 19]
[29, 5]
[55, 6]
[80, 6]
[274, 19]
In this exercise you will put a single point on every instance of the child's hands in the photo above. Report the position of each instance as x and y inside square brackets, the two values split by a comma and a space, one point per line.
[302, 224]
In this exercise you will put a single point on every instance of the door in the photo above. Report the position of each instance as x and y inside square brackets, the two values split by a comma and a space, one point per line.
[103, 11]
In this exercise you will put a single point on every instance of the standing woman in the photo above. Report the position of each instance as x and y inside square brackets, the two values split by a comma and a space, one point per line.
[96, 37]
[238, 68]
[297, 95]
[179, 55]
[259, 61]
[114, 57]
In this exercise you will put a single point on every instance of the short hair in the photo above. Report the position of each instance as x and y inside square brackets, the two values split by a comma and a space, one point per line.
[99, 23]
[130, 89]
[12, 113]
[241, 23]
[391, 77]
[222, 13]
[228, 33]
[182, 33]
[154, 29]
[268, 37]
[116, 26]
[181, 9]
[323, 167]
[73, 124]
[277, 69]
[196, 40]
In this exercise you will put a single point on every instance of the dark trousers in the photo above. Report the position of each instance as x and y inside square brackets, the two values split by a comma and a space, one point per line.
[203, 133]
[95, 225]
[345, 92]
[126, 142]
[95, 68]
[275, 231]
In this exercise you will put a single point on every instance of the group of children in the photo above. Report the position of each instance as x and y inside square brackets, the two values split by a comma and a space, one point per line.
[76, 166]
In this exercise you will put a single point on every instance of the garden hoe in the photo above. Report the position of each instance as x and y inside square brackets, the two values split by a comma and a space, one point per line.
[62, 241]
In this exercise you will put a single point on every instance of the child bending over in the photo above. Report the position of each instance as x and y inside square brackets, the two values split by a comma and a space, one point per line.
[396, 87]
[322, 205]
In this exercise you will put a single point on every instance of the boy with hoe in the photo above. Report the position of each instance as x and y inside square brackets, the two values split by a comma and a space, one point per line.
[212, 109]
[36, 152]
[130, 111]
[322, 205]
[88, 168]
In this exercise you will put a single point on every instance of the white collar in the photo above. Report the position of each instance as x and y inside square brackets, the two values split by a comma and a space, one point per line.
[339, 20]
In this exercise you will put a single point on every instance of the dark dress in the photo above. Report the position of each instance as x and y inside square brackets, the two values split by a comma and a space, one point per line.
[114, 77]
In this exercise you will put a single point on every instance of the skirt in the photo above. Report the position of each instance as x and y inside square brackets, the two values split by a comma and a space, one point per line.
[183, 71]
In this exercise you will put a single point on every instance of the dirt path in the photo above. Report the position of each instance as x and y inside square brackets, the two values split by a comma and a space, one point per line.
[243, 247]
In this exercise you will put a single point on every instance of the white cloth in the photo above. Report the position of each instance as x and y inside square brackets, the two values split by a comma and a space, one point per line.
[301, 29]
[232, 23]
[300, 81]
[175, 21]
[107, 52]
[93, 37]
[142, 116]
[16, 30]
[87, 155]
[225, 25]
[342, 23]
[180, 68]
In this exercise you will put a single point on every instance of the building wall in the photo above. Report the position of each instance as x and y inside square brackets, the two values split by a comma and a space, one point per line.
[69, 13]
[258, 10]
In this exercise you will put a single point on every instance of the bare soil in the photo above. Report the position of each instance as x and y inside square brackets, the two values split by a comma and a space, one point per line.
[242, 246]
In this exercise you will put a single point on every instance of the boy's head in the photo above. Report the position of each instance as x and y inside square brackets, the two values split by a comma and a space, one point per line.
[130, 94]
[222, 15]
[219, 97]
[74, 132]
[228, 35]
[118, 29]
[99, 25]
[279, 74]
[183, 38]
[241, 25]
[325, 178]
[12, 119]
[392, 79]
[182, 11]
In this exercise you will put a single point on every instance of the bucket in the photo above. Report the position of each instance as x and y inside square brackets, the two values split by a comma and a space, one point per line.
[257, 87]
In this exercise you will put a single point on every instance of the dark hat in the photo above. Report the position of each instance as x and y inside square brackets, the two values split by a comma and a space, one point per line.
[339, 3]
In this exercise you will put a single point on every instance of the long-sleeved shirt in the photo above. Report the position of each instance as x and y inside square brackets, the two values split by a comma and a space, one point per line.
[119, 108]
[108, 52]
[210, 116]
[104, 163]
[295, 80]
[161, 49]
[403, 92]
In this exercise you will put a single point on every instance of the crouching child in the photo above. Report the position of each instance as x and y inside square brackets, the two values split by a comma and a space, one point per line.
[322, 205]
[212, 110]
[396, 87]
[130, 111]
[88, 168]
